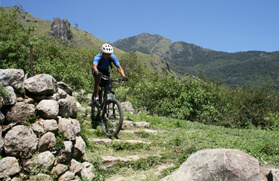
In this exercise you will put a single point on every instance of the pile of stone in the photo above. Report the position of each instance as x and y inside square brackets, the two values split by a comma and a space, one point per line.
[39, 134]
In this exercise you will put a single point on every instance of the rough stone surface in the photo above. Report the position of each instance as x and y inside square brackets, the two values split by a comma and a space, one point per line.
[79, 149]
[67, 176]
[41, 84]
[20, 142]
[75, 166]
[59, 169]
[46, 142]
[49, 124]
[9, 166]
[40, 163]
[86, 172]
[12, 77]
[68, 107]
[69, 127]
[48, 109]
[11, 99]
[218, 164]
[65, 87]
[20, 112]
[65, 154]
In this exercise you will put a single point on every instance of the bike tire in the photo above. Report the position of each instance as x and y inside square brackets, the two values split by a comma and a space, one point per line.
[112, 117]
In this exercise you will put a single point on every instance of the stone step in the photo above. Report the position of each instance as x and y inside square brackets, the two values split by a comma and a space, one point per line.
[154, 132]
[131, 124]
[109, 141]
[110, 161]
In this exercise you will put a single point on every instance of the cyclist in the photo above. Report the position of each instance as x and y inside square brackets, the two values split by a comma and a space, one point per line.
[101, 64]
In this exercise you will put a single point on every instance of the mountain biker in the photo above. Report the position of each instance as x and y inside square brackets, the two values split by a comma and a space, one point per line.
[100, 67]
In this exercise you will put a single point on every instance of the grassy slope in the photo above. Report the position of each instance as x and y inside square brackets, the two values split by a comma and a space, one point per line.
[172, 149]
[88, 41]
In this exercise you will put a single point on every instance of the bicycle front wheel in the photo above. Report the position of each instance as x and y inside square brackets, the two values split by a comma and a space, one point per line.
[112, 117]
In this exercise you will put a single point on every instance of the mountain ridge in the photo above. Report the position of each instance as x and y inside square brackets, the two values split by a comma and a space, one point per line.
[230, 68]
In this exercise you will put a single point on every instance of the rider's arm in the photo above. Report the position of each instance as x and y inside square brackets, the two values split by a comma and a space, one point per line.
[120, 70]
[95, 69]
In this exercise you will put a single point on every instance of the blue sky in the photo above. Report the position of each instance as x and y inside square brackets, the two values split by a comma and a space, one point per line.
[222, 25]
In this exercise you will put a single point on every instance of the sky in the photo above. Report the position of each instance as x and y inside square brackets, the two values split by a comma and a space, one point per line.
[221, 25]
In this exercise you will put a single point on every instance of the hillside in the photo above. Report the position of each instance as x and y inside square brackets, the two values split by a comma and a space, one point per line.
[253, 68]
[88, 41]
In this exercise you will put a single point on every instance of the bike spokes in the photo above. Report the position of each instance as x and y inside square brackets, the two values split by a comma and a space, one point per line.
[112, 118]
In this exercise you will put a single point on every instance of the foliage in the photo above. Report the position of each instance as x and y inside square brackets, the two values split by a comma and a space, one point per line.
[14, 40]
[188, 98]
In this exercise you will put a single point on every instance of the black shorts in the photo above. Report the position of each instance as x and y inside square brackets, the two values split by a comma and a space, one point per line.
[106, 72]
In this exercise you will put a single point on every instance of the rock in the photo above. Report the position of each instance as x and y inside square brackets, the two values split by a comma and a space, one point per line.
[41, 177]
[86, 172]
[40, 163]
[58, 170]
[127, 106]
[69, 127]
[12, 77]
[11, 99]
[65, 87]
[218, 164]
[49, 124]
[142, 124]
[41, 84]
[75, 166]
[65, 154]
[79, 149]
[2, 118]
[68, 107]
[37, 128]
[9, 166]
[1, 141]
[61, 29]
[62, 94]
[21, 112]
[20, 142]
[67, 176]
[46, 142]
[48, 109]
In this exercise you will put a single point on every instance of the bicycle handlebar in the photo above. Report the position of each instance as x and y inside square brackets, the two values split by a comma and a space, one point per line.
[112, 80]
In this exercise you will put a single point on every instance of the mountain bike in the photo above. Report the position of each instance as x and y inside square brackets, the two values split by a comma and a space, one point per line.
[109, 112]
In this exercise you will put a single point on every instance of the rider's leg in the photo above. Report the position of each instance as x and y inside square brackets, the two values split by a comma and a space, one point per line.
[96, 86]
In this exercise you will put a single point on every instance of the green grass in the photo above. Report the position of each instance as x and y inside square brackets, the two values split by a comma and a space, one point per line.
[175, 142]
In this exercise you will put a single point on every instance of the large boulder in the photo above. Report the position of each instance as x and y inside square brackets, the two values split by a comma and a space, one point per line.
[218, 164]
[12, 77]
[20, 142]
[20, 112]
[41, 84]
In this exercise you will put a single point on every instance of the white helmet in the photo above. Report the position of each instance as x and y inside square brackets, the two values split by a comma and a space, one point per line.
[107, 48]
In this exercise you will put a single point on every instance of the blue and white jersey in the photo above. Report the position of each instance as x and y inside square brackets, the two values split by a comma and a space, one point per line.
[104, 64]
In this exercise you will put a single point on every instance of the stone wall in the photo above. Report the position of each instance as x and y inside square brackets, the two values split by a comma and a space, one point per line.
[39, 133]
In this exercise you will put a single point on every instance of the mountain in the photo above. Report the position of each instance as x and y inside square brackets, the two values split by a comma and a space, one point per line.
[83, 39]
[252, 68]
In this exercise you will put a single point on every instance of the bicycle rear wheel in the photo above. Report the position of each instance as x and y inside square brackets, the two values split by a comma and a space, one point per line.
[112, 117]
